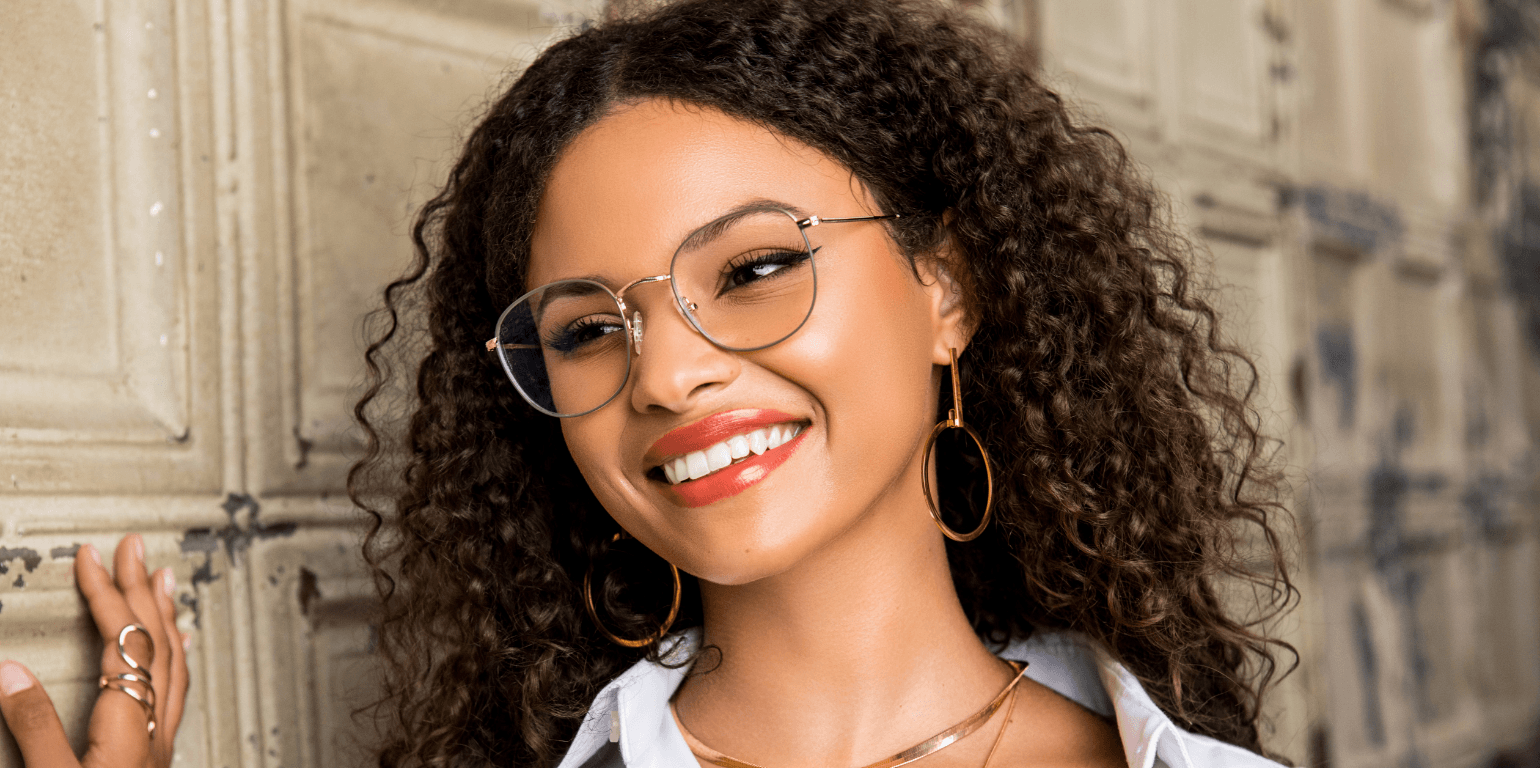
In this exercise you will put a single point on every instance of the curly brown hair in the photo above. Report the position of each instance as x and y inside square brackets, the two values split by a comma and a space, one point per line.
[1130, 464]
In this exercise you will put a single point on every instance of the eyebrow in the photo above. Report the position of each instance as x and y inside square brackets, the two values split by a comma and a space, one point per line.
[568, 289]
[713, 230]
[565, 290]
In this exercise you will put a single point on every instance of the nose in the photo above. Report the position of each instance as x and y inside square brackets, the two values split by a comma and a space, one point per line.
[680, 364]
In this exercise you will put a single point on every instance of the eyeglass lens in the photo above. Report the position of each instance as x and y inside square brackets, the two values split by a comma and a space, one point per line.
[745, 282]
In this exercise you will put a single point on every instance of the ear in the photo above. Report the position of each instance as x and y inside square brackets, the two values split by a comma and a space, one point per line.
[951, 325]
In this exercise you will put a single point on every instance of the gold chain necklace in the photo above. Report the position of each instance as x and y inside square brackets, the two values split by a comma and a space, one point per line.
[935, 743]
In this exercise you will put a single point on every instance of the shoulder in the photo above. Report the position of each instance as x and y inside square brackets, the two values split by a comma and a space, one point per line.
[1084, 675]
[1047, 729]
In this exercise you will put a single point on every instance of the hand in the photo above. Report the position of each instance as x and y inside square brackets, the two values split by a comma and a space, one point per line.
[119, 735]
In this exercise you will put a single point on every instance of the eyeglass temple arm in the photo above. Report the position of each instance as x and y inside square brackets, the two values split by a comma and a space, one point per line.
[813, 221]
[492, 345]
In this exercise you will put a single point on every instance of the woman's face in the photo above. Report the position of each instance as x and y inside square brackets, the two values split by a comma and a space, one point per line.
[857, 380]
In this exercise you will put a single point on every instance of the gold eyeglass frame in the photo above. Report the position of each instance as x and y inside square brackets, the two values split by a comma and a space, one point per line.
[632, 319]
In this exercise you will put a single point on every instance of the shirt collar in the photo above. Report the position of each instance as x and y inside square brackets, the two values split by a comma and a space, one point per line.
[1077, 668]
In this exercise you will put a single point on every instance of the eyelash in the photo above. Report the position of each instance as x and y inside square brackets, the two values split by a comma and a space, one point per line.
[565, 342]
[787, 258]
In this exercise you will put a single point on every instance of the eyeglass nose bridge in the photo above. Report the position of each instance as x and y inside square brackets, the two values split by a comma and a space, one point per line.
[634, 321]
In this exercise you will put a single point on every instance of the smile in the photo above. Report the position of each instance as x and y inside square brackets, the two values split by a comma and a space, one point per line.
[699, 464]
[723, 454]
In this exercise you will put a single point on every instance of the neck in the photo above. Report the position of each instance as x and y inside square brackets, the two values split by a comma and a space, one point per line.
[860, 651]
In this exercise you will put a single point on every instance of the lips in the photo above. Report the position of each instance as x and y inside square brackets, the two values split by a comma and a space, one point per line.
[698, 464]
[723, 454]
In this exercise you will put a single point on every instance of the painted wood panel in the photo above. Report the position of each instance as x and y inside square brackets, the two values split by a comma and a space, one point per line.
[108, 358]
[1222, 65]
[1105, 43]
[376, 97]
[200, 200]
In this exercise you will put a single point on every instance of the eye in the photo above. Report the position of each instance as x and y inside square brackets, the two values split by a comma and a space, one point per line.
[583, 332]
[756, 266]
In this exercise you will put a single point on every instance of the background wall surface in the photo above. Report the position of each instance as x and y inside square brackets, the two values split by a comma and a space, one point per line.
[199, 199]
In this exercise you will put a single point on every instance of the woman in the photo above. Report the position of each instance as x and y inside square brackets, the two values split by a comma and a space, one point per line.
[748, 270]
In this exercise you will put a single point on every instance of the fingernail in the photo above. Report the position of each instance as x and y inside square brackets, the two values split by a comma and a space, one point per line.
[186, 641]
[96, 557]
[139, 547]
[13, 679]
[168, 582]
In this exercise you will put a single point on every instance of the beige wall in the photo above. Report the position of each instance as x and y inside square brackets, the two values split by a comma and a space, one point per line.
[198, 202]
[200, 198]
[1322, 150]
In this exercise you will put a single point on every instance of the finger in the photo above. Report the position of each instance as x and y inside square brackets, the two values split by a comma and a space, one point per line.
[118, 723]
[161, 583]
[30, 715]
[174, 694]
[109, 609]
[134, 582]
[181, 683]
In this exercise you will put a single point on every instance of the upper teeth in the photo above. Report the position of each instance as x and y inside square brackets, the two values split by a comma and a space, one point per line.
[696, 465]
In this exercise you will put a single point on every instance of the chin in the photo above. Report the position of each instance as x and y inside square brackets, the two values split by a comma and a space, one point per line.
[745, 569]
[735, 553]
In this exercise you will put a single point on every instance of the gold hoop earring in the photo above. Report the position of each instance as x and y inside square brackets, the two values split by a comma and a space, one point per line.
[954, 420]
[673, 611]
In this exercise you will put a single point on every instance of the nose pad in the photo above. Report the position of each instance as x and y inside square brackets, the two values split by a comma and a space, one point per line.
[687, 362]
[683, 306]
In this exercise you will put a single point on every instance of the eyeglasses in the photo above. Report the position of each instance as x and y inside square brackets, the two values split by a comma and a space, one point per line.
[745, 281]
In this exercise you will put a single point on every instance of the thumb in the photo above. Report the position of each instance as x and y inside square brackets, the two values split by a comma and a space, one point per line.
[31, 717]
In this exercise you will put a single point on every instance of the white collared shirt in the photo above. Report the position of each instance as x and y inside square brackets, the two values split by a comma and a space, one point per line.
[632, 712]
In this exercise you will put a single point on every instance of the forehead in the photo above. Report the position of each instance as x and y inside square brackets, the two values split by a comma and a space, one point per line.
[632, 186]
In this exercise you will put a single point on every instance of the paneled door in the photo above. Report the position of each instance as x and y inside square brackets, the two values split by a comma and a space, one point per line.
[199, 201]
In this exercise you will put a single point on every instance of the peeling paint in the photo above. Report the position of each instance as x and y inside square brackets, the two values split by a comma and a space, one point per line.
[1369, 676]
[309, 590]
[1519, 244]
[1506, 32]
[1482, 503]
[204, 574]
[1396, 554]
[305, 447]
[1339, 366]
[191, 601]
[69, 551]
[233, 537]
[199, 540]
[1498, 154]
[29, 557]
[20, 582]
[1354, 218]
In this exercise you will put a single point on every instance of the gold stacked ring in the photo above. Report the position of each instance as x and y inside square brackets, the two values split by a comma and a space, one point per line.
[139, 676]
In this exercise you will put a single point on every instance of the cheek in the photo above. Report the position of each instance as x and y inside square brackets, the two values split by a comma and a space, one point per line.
[873, 345]
[591, 441]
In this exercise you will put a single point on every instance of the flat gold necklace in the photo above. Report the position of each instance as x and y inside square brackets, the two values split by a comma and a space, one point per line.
[935, 743]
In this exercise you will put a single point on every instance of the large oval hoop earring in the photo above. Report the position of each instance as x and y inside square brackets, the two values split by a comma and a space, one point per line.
[954, 420]
[673, 611]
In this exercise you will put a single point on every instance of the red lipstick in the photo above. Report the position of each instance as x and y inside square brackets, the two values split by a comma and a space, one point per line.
[735, 478]
[712, 430]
